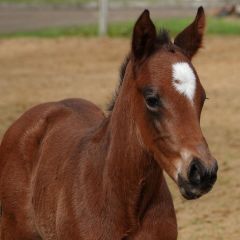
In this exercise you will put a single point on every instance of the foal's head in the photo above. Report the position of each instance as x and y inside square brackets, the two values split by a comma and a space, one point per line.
[166, 97]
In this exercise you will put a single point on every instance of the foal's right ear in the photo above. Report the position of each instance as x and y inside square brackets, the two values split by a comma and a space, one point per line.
[144, 36]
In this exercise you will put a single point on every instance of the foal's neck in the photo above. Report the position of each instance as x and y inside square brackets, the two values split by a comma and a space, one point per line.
[132, 175]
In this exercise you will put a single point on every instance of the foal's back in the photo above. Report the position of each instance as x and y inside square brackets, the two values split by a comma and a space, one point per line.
[54, 130]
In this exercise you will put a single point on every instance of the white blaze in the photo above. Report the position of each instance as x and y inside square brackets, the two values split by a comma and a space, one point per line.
[184, 79]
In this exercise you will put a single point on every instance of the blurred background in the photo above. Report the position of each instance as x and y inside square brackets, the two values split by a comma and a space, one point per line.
[55, 49]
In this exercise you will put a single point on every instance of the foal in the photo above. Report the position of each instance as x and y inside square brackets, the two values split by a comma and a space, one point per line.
[69, 172]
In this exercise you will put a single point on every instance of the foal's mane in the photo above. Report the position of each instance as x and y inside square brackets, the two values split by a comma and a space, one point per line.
[163, 38]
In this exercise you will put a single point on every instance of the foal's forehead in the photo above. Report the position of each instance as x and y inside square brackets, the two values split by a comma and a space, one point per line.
[167, 58]
[176, 71]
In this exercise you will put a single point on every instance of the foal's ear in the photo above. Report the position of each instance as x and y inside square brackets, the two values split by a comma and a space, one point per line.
[144, 36]
[190, 39]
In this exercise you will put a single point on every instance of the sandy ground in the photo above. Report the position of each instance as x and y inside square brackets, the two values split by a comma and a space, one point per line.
[34, 71]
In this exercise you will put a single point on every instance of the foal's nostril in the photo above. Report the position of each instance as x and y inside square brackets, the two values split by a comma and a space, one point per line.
[195, 173]
[200, 176]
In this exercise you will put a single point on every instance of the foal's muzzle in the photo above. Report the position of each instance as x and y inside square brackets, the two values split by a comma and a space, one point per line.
[200, 179]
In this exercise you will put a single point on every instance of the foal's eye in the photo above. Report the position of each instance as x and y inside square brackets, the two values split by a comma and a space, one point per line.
[152, 102]
[152, 99]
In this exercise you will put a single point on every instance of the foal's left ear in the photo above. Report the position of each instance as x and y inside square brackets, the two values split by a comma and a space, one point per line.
[144, 36]
[190, 39]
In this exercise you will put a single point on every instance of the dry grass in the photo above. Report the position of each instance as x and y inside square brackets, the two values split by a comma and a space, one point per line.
[34, 71]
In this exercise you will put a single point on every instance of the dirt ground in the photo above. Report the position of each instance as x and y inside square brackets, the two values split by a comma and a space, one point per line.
[40, 70]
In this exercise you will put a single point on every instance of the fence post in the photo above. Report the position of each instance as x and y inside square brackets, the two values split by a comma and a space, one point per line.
[103, 14]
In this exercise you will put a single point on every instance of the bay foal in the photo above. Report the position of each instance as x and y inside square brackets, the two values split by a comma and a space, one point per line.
[69, 172]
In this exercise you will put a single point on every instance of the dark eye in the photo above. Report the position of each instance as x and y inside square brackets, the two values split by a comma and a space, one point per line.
[152, 102]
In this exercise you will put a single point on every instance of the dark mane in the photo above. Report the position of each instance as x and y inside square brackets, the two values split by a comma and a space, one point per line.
[163, 38]
[122, 71]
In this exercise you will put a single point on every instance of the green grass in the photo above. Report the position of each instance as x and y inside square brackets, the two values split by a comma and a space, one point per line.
[124, 29]
[175, 25]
